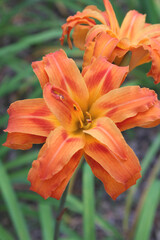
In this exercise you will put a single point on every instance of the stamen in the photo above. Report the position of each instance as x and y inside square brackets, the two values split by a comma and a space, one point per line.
[81, 123]
[74, 107]
[89, 119]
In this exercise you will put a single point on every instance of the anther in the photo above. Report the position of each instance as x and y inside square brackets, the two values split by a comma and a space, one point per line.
[89, 118]
[74, 106]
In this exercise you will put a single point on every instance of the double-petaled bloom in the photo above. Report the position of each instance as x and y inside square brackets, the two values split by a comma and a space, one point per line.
[108, 39]
[81, 115]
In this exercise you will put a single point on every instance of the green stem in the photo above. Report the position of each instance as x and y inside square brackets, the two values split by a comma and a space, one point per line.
[126, 59]
[60, 214]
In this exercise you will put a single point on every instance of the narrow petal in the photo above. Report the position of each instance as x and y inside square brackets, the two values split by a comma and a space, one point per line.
[64, 73]
[54, 186]
[31, 116]
[122, 170]
[122, 103]
[79, 36]
[155, 56]
[38, 68]
[86, 17]
[112, 17]
[67, 111]
[132, 25]
[58, 150]
[106, 132]
[67, 28]
[102, 76]
[112, 187]
[150, 118]
[22, 141]
[87, 57]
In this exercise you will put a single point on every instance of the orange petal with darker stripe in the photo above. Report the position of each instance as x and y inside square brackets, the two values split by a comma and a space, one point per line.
[112, 187]
[31, 116]
[22, 141]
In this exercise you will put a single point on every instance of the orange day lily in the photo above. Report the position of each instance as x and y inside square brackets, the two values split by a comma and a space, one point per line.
[81, 115]
[108, 39]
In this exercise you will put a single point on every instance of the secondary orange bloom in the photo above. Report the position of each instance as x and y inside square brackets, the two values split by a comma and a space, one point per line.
[81, 115]
[113, 42]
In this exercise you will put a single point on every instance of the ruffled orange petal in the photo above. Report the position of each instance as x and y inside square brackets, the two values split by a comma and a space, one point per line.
[139, 57]
[67, 111]
[31, 116]
[79, 36]
[112, 187]
[63, 73]
[112, 17]
[22, 141]
[105, 44]
[150, 118]
[38, 68]
[122, 170]
[57, 151]
[84, 18]
[54, 186]
[95, 31]
[132, 25]
[149, 32]
[154, 51]
[107, 133]
[102, 76]
[122, 103]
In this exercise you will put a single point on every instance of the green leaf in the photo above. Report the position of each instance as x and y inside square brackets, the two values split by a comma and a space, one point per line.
[4, 234]
[20, 176]
[16, 9]
[146, 219]
[23, 159]
[13, 206]
[75, 205]
[46, 220]
[150, 154]
[69, 232]
[149, 7]
[8, 86]
[29, 41]
[88, 204]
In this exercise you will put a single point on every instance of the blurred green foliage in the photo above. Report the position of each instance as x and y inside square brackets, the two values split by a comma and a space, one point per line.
[30, 29]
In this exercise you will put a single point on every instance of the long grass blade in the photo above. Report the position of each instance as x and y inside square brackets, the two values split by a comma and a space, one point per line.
[75, 205]
[151, 179]
[29, 41]
[4, 234]
[88, 203]
[150, 154]
[46, 220]
[14, 210]
[146, 218]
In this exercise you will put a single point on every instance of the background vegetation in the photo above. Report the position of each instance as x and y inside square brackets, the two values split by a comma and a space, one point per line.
[30, 29]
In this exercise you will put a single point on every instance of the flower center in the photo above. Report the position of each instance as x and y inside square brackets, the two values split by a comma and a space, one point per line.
[87, 120]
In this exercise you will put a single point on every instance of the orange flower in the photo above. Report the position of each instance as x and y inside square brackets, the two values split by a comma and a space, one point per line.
[108, 39]
[79, 115]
